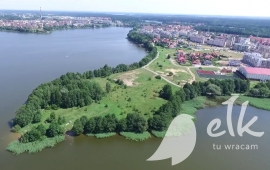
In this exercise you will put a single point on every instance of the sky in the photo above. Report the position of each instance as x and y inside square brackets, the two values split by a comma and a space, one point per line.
[197, 7]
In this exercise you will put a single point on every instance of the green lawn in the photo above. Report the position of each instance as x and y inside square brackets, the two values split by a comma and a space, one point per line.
[232, 54]
[180, 74]
[260, 103]
[143, 95]
[162, 59]
[193, 70]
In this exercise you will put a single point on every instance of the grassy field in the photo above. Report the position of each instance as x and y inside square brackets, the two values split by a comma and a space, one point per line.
[163, 66]
[193, 70]
[231, 54]
[142, 92]
[260, 103]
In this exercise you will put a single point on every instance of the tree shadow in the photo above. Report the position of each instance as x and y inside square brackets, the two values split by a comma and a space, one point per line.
[11, 123]
[70, 133]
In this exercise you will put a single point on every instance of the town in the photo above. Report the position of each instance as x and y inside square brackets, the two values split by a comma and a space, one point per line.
[248, 57]
[47, 23]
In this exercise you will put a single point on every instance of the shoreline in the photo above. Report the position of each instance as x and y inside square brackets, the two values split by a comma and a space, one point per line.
[17, 148]
[60, 29]
[191, 107]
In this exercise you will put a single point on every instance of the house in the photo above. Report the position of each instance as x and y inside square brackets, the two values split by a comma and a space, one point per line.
[233, 62]
[196, 62]
[209, 57]
[181, 52]
[226, 71]
[182, 59]
[207, 62]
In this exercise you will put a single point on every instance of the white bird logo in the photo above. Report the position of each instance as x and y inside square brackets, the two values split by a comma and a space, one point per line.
[179, 141]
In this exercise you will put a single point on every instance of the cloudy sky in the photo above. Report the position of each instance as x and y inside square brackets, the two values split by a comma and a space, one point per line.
[204, 7]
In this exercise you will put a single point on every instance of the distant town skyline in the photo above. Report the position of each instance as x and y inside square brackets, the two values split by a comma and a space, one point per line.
[257, 8]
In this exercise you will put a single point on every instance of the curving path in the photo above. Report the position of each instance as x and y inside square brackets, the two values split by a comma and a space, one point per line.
[188, 69]
[146, 68]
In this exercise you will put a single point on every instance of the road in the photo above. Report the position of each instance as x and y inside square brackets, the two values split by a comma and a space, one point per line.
[146, 68]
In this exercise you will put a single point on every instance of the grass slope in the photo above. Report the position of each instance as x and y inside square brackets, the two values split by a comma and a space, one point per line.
[180, 73]
[143, 95]
[260, 103]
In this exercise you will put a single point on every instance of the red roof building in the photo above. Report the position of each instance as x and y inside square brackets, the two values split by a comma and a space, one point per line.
[196, 62]
[255, 73]
[205, 72]
[208, 57]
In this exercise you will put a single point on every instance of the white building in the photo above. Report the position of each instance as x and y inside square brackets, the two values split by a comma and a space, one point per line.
[197, 38]
[262, 74]
[256, 60]
[243, 44]
[217, 42]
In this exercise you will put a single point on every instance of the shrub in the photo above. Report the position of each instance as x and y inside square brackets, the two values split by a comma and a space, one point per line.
[136, 136]
[158, 77]
[159, 134]
[34, 147]
[104, 135]
[16, 128]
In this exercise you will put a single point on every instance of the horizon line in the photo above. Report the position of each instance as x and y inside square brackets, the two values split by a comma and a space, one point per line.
[110, 12]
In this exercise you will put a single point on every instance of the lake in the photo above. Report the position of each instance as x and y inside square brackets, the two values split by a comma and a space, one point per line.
[28, 60]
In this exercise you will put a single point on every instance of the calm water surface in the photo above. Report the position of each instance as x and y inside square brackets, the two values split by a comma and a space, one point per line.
[26, 60]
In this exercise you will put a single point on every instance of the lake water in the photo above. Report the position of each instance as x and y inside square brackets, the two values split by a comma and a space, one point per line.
[27, 60]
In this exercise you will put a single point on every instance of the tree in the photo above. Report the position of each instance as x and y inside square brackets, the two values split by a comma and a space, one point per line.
[111, 123]
[136, 123]
[122, 125]
[108, 87]
[61, 120]
[213, 90]
[77, 128]
[158, 77]
[170, 73]
[30, 136]
[52, 117]
[16, 128]
[83, 120]
[24, 116]
[37, 117]
[99, 125]
[54, 130]
[166, 92]
[41, 128]
[90, 126]
[158, 123]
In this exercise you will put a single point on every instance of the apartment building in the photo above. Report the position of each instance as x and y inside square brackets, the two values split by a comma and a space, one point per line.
[256, 60]
[217, 42]
[197, 39]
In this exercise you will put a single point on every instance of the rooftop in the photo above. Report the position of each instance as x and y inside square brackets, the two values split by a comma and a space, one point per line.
[252, 70]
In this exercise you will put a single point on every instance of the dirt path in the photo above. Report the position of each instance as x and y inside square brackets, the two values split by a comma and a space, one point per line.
[188, 69]
[146, 67]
